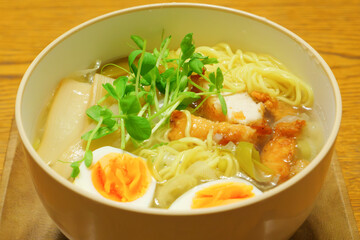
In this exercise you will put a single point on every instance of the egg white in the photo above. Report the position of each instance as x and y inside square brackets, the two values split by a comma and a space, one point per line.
[84, 181]
[184, 202]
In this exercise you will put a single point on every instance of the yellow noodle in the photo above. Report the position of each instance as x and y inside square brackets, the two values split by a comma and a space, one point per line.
[176, 157]
[209, 138]
[188, 125]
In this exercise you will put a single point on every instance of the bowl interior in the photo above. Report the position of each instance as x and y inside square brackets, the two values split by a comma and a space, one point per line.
[108, 37]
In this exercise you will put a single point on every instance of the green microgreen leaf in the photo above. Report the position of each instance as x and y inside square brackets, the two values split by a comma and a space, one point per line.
[196, 65]
[138, 127]
[212, 78]
[219, 79]
[111, 90]
[148, 63]
[150, 97]
[211, 88]
[169, 76]
[189, 97]
[75, 166]
[96, 112]
[88, 158]
[199, 56]
[105, 113]
[142, 94]
[183, 83]
[152, 75]
[120, 86]
[130, 104]
[187, 47]
[186, 70]
[75, 172]
[101, 132]
[209, 61]
[145, 81]
[129, 89]
[131, 59]
[138, 41]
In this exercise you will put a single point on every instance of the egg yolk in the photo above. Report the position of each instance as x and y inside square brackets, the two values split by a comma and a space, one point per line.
[121, 177]
[221, 194]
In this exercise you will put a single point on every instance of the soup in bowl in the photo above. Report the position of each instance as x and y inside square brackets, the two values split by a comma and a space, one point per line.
[164, 128]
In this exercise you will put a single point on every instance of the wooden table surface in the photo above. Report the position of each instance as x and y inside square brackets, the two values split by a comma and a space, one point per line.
[332, 27]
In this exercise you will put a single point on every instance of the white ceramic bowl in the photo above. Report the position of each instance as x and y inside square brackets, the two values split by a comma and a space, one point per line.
[274, 215]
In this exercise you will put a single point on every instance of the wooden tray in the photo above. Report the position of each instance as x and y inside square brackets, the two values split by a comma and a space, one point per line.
[22, 215]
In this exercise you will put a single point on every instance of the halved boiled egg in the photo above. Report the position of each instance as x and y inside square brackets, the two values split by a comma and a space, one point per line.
[215, 193]
[119, 176]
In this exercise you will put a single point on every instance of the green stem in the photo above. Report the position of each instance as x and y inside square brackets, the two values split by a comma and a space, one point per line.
[177, 78]
[139, 68]
[122, 132]
[93, 133]
[167, 89]
[149, 110]
[197, 86]
[103, 99]
[214, 93]
[201, 103]
[165, 117]
[169, 109]
[164, 109]
[162, 51]
[118, 116]
[205, 78]
[115, 65]
[143, 109]
[156, 101]
[122, 127]
[206, 93]
[153, 88]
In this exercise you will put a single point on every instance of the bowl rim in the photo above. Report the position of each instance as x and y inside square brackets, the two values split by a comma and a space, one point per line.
[154, 211]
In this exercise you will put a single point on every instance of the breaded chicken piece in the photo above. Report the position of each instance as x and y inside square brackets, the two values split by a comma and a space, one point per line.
[241, 108]
[277, 109]
[279, 152]
[224, 132]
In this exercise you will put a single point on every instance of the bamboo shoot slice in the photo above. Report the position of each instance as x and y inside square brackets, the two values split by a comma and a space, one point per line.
[66, 120]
